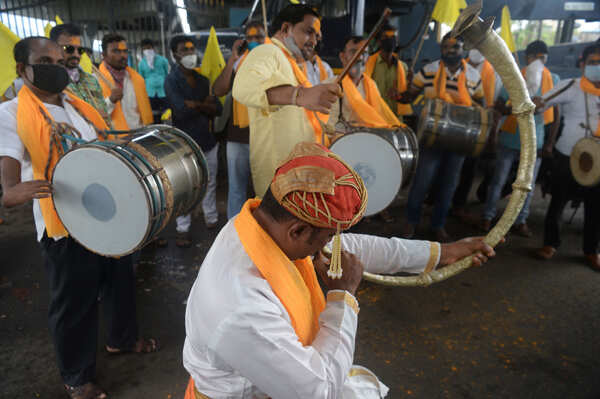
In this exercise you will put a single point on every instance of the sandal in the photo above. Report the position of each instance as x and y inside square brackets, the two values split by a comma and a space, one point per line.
[142, 345]
[85, 391]
[183, 240]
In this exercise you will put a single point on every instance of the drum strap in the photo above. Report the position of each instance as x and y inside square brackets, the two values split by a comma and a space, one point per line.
[588, 127]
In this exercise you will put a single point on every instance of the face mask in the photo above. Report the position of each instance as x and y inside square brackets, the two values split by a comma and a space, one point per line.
[592, 72]
[149, 56]
[475, 57]
[533, 76]
[189, 61]
[357, 69]
[292, 46]
[451, 59]
[253, 45]
[388, 45]
[51, 78]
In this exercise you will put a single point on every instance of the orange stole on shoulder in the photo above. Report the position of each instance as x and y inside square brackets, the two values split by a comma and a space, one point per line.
[401, 83]
[372, 110]
[510, 124]
[304, 82]
[439, 86]
[34, 131]
[240, 112]
[295, 283]
[589, 88]
[143, 102]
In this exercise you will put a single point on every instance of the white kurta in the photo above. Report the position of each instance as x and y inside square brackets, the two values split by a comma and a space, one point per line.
[240, 342]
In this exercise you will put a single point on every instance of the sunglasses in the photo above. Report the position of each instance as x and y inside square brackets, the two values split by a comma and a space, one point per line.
[71, 50]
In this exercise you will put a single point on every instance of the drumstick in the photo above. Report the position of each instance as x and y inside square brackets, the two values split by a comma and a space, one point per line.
[104, 78]
[264, 14]
[362, 48]
[420, 47]
[561, 91]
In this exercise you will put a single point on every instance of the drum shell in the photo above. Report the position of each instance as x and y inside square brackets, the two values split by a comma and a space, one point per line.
[168, 171]
[456, 128]
[585, 161]
[400, 143]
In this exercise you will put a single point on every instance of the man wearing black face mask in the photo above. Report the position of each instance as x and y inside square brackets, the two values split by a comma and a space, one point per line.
[452, 80]
[76, 276]
[386, 69]
[82, 84]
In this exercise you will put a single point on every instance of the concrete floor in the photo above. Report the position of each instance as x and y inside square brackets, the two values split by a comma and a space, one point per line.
[516, 328]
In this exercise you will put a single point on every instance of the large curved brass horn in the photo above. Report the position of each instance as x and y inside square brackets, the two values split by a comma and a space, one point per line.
[478, 34]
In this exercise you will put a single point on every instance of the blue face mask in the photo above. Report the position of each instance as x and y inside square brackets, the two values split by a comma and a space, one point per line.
[253, 45]
[592, 72]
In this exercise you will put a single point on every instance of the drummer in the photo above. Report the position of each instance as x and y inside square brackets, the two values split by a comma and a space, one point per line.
[452, 80]
[362, 103]
[583, 94]
[269, 80]
[76, 276]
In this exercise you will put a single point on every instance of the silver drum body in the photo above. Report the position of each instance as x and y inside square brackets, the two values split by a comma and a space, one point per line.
[113, 197]
[454, 127]
[386, 160]
[585, 161]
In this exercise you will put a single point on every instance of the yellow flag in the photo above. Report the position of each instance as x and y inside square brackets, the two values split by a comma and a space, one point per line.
[505, 32]
[447, 11]
[85, 63]
[213, 61]
[58, 20]
[47, 29]
[8, 72]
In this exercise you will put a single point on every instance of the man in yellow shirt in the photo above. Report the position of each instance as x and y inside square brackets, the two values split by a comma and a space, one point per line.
[282, 105]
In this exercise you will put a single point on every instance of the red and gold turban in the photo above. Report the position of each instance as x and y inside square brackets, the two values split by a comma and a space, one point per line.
[318, 187]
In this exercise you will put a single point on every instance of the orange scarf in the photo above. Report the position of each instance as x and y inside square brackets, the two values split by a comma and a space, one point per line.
[304, 82]
[510, 124]
[143, 102]
[372, 110]
[401, 83]
[488, 79]
[240, 112]
[439, 86]
[589, 88]
[34, 131]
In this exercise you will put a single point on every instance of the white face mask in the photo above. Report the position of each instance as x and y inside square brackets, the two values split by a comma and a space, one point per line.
[475, 57]
[149, 56]
[189, 61]
[592, 72]
[291, 45]
[533, 76]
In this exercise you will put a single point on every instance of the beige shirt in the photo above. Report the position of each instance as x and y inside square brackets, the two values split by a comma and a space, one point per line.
[274, 130]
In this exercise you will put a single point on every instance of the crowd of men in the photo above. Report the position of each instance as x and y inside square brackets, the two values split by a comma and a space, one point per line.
[267, 303]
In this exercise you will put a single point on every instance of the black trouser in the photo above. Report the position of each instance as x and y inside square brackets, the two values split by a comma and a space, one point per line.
[76, 278]
[158, 105]
[564, 189]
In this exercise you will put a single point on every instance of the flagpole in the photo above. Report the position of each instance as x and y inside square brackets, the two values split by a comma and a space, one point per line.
[264, 14]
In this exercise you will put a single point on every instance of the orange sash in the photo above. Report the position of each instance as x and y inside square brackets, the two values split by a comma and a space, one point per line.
[439, 86]
[401, 83]
[34, 131]
[488, 80]
[372, 110]
[589, 88]
[240, 112]
[304, 82]
[143, 102]
[510, 124]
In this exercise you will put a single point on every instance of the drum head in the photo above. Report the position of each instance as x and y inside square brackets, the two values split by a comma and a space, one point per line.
[377, 162]
[100, 201]
[585, 162]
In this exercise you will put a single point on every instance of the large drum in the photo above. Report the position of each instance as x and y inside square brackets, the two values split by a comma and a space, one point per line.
[115, 197]
[385, 159]
[454, 127]
[585, 161]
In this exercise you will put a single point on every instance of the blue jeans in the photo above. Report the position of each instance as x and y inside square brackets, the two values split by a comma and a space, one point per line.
[431, 162]
[238, 172]
[505, 158]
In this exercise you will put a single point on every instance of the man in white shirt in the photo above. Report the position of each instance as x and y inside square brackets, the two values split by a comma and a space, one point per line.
[76, 276]
[317, 71]
[257, 322]
[580, 106]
